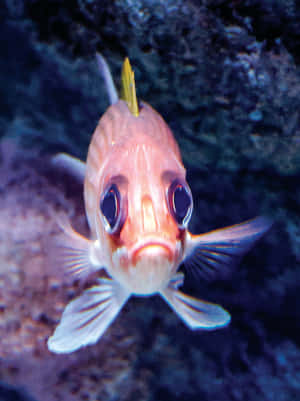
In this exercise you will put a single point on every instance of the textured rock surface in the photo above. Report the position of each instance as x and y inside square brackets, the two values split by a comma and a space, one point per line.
[228, 69]
[225, 75]
[34, 293]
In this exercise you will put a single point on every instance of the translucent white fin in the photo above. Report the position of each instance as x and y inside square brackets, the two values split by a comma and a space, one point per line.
[106, 74]
[70, 164]
[177, 280]
[214, 253]
[78, 255]
[87, 317]
[196, 314]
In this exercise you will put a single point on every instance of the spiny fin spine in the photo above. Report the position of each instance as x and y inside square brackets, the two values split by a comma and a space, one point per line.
[128, 88]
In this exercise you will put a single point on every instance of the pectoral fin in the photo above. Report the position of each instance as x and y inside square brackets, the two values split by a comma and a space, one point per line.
[196, 314]
[87, 317]
[70, 164]
[78, 255]
[215, 252]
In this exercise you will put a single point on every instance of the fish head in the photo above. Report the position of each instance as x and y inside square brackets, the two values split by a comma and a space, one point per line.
[144, 205]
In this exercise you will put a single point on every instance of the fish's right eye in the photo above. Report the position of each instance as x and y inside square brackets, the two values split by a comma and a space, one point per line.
[111, 209]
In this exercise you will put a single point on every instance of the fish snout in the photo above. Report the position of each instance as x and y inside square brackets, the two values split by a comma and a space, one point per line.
[152, 264]
[149, 218]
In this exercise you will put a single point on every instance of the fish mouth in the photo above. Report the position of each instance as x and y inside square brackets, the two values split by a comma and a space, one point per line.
[153, 248]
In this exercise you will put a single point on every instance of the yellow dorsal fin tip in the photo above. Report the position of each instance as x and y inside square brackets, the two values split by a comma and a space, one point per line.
[128, 88]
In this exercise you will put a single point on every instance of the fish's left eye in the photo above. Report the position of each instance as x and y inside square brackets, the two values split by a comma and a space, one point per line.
[110, 208]
[180, 203]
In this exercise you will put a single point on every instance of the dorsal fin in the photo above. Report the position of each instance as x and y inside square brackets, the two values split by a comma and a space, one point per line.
[108, 80]
[128, 88]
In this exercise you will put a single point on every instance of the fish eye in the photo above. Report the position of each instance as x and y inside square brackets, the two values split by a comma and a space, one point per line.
[180, 203]
[110, 208]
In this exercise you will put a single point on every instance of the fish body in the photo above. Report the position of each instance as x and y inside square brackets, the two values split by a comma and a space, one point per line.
[138, 205]
[139, 156]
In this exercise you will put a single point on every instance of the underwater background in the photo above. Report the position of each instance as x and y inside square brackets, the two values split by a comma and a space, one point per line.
[225, 76]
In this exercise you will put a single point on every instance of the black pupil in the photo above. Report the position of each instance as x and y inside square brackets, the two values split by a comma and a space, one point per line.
[181, 202]
[109, 205]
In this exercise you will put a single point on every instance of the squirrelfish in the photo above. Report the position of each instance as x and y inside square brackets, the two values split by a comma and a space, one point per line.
[138, 206]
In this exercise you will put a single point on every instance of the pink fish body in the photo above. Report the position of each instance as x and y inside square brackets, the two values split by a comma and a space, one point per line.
[140, 158]
[138, 205]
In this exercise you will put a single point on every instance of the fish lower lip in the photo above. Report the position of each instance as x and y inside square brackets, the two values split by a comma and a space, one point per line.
[153, 248]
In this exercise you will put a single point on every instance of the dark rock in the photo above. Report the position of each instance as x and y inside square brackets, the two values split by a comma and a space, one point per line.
[8, 393]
